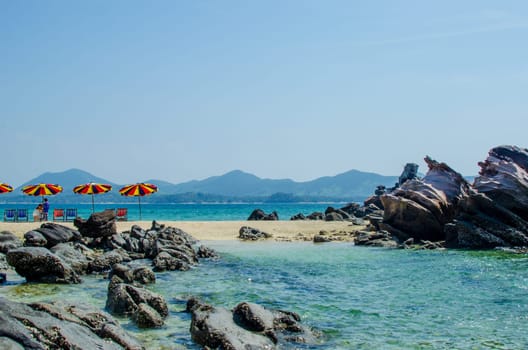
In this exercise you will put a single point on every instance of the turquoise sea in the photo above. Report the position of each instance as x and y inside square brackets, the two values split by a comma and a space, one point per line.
[187, 212]
[358, 297]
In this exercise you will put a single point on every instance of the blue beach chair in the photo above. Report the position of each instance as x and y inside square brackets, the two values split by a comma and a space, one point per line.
[22, 215]
[70, 214]
[10, 215]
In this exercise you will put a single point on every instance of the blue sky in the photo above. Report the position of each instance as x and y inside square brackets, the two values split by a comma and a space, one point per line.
[183, 90]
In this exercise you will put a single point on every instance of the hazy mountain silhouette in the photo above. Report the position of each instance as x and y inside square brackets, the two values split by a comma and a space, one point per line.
[234, 185]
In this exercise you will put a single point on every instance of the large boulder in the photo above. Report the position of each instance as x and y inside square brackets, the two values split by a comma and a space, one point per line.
[99, 225]
[54, 234]
[420, 208]
[60, 326]
[247, 326]
[495, 214]
[40, 265]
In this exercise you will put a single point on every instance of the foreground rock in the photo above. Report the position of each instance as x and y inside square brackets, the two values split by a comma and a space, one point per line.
[56, 326]
[38, 264]
[247, 326]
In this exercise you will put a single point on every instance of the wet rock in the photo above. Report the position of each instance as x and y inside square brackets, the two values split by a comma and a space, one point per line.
[40, 265]
[58, 326]
[138, 275]
[146, 317]
[125, 299]
[248, 326]
[8, 241]
[252, 234]
[98, 225]
[206, 253]
[259, 214]
[164, 261]
[104, 262]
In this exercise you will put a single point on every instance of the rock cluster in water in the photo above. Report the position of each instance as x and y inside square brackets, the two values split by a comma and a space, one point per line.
[57, 254]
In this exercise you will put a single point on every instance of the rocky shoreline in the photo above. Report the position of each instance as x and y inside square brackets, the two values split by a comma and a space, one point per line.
[57, 254]
[441, 210]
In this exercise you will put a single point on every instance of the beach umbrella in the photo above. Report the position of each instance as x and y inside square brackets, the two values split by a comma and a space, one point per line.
[138, 190]
[4, 188]
[42, 189]
[92, 188]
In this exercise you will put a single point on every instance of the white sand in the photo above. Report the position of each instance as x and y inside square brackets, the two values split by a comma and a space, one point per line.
[223, 230]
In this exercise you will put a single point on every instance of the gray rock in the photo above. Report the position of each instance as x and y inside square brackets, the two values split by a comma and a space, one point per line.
[39, 264]
[259, 214]
[55, 234]
[51, 326]
[74, 255]
[125, 299]
[252, 234]
[8, 241]
[146, 317]
[98, 225]
[35, 239]
[105, 261]
[138, 275]
[248, 326]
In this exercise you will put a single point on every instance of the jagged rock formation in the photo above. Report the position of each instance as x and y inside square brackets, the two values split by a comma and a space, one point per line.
[443, 206]
[420, 208]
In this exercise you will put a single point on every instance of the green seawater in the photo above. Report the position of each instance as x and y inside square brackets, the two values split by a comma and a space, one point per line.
[359, 298]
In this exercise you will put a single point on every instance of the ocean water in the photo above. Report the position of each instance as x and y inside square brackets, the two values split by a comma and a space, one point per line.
[186, 212]
[358, 297]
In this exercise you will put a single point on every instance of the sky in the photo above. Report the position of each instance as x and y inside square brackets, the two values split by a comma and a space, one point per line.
[298, 89]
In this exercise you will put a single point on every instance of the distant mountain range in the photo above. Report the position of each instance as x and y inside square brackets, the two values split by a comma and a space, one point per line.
[234, 186]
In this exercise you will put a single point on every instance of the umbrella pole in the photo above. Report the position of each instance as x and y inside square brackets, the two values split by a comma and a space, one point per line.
[93, 207]
[139, 201]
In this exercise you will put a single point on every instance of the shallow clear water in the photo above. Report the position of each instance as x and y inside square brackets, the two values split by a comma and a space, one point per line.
[360, 298]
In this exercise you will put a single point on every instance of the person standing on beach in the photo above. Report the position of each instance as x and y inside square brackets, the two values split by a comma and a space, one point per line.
[37, 213]
[45, 209]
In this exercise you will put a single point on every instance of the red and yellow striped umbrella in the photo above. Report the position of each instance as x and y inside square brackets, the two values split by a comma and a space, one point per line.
[138, 190]
[42, 189]
[92, 188]
[4, 188]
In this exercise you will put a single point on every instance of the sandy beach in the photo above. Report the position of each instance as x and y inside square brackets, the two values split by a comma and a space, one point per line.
[225, 230]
